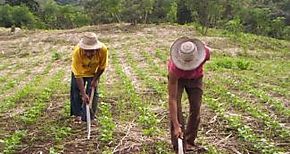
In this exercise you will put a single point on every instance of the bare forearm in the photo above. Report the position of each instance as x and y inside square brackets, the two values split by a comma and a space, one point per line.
[81, 86]
[172, 90]
[98, 74]
[173, 113]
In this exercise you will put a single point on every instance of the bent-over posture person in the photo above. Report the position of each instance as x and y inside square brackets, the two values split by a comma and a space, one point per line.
[89, 60]
[185, 71]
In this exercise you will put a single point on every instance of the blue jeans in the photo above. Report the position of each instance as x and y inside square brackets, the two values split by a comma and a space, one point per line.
[77, 107]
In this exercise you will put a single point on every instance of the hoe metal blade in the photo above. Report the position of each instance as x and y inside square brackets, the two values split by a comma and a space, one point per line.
[180, 146]
[88, 120]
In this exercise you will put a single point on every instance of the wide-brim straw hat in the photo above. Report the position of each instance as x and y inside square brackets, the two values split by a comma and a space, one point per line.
[90, 41]
[187, 54]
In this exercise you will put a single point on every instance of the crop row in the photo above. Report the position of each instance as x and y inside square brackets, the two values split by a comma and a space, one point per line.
[32, 114]
[248, 108]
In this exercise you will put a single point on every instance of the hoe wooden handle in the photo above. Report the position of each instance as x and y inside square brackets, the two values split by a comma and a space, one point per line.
[88, 112]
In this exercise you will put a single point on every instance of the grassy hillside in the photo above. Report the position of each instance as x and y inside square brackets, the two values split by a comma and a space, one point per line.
[245, 105]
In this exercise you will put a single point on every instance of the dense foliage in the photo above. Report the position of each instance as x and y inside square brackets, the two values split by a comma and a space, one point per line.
[267, 17]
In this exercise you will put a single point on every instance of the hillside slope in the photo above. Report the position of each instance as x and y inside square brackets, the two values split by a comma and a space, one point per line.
[245, 106]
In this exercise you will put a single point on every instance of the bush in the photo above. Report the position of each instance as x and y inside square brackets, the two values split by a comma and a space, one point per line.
[23, 17]
[67, 16]
[19, 16]
[277, 27]
[225, 63]
[6, 16]
[234, 26]
[286, 33]
[230, 63]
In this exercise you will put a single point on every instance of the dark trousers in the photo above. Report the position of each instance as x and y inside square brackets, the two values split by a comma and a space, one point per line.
[77, 107]
[193, 88]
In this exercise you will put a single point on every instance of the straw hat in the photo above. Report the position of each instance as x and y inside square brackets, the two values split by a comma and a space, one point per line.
[90, 41]
[187, 54]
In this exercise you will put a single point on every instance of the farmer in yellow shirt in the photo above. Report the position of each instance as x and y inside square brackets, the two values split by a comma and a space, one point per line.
[89, 60]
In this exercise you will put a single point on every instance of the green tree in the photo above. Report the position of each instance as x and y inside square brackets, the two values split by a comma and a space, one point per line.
[286, 33]
[23, 17]
[277, 27]
[234, 26]
[136, 11]
[234, 8]
[49, 14]
[206, 13]
[31, 4]
[131, 11]
[285, 7]
[103, 11]
[147, 8]
[19, 16]
[184, 14]
[81, 19]
[6, 16]
[257, 20]
[172, 14]
[63, 16]
[161, 10]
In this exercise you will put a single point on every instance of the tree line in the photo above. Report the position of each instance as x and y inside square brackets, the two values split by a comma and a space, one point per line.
[262, 17]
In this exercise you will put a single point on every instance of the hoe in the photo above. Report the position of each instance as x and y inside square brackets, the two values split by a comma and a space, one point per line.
[88, 113]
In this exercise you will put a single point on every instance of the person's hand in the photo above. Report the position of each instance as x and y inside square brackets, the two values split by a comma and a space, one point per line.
[94, 84]
[178, 132]
[86, 98]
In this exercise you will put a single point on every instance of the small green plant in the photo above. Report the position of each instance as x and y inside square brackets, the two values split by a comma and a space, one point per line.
[107, 150]
[225, 63]
[55, 55]
[161, 147]
[13, 140]
[9, 84]
[243, 64]
[60, 132]
[2, 79]
[52, 150]
[160, 54]
[66, 108]
[212, 66]
[106, 122]
[149, 122]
